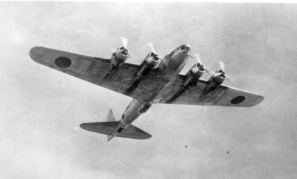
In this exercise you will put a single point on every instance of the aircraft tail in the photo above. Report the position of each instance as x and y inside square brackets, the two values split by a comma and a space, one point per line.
[109, 128]
[113, 128]
[110, 116]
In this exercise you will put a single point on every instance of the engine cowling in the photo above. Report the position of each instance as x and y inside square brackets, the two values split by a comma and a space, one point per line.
[116, 60]
[151, 61]
[118, 57]
[193, 75]
[216, 79]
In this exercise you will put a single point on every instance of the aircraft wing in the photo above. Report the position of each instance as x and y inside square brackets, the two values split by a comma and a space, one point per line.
[220, 96]
[88, 68]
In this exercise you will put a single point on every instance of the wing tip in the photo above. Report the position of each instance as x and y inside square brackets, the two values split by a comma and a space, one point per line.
[149, 136]
[260, 99]
[257, 101]
[36, 53]
[83, 126]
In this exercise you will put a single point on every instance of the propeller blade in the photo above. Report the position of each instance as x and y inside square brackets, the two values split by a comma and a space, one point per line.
[151, 46]
[228, 77]
[222, 65]
[124, 42]
[197, 56]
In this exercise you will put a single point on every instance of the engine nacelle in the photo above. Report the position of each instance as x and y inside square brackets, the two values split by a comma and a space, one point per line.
[193, 75]
[117, 59]
[216, 79]
[150, 62]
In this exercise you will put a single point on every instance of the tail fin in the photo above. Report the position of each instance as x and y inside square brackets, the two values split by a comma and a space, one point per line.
[110, 116]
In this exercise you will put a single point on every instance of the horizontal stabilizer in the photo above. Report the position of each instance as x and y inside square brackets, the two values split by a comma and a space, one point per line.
[107, 128]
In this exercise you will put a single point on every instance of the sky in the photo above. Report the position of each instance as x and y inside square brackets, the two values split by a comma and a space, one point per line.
[41, 108]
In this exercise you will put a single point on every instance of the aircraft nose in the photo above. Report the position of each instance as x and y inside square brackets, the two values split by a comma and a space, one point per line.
[185, 49]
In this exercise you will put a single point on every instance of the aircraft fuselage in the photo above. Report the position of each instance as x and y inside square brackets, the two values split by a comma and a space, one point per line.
[169, 69]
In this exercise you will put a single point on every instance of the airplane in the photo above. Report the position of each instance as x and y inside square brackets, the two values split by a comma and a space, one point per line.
[155, 80]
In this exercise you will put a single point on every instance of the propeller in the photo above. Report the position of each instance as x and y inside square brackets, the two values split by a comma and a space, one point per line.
[222, 65]
[151, 46]
[113, 50]
[122, 49]
[197, 57]
[222, 71]
[200, 64]
[124, 42]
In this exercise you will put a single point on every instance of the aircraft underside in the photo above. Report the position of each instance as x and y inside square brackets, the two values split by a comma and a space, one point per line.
[155, 80]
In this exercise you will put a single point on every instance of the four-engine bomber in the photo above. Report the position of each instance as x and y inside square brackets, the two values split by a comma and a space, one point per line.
[156, 80]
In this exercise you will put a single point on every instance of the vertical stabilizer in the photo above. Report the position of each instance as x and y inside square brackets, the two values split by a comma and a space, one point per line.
[110, 117]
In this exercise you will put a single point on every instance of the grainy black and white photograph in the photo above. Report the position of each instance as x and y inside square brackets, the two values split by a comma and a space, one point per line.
[129, 90]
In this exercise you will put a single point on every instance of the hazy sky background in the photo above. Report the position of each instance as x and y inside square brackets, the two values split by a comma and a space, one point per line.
[41, 108]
